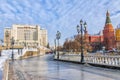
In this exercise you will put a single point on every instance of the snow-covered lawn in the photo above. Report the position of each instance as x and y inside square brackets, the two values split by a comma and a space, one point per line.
[6, 54]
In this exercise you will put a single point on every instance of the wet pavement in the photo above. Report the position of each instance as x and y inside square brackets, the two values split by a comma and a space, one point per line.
[0, 75]
[45, 68]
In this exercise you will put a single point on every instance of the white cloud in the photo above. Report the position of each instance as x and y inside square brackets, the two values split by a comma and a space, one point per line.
[61, 15]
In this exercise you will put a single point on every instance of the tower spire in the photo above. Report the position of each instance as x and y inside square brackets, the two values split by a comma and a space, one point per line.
[107, 14]
[108, 21]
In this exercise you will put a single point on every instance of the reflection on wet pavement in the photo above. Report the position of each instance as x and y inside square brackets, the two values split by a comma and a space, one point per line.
[45, 68]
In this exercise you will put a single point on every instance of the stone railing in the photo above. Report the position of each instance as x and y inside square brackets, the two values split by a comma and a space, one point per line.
[28, 49]
[94, 59]
[103, 59]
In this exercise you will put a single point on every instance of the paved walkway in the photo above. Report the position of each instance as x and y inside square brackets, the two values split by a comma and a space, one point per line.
[0, 74]
[45, 68]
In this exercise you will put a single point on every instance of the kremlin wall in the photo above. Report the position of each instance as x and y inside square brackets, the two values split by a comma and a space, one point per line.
[109, 37]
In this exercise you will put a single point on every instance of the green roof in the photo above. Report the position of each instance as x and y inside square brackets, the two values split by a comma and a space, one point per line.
[108, 20]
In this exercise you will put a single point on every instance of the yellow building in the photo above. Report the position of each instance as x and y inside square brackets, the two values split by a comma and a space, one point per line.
[25, 35]
[117, 35]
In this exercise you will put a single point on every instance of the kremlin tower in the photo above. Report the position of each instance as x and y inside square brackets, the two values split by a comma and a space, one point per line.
[108, 34]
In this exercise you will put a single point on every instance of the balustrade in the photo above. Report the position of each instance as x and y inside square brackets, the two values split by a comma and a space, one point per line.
[95, 59]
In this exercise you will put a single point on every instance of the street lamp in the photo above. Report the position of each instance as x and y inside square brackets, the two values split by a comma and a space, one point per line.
[103, 48]
[80, 29]
[12, 44]
[58, 35]
[7, 35]
[55, 47]
[1, 43]
[25, 40]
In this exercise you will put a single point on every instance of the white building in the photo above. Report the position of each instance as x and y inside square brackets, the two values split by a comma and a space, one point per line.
[25, 35]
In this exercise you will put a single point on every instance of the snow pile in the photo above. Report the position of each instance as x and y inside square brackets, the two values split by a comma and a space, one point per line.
[5, 54]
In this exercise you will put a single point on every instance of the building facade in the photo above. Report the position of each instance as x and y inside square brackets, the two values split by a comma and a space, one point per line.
[26, 35]
[95, 38]
[117, 37]
[96, 41]
[108, 34]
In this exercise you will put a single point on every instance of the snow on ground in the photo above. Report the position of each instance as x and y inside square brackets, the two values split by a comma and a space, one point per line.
[5, 54]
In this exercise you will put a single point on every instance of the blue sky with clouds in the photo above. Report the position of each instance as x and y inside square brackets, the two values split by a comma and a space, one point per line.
[62, 15]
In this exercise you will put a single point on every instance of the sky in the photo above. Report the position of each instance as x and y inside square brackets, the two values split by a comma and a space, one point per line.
[62, 15]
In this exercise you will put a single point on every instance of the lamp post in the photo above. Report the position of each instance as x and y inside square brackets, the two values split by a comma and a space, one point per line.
[1, 43]
[25, 40]
[103, 48]
[58, 35]
[7, 35]
[80, 29]
[12, 44]
[55, 46]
